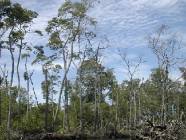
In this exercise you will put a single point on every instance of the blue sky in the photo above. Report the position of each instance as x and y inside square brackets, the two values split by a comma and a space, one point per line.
[126, 24]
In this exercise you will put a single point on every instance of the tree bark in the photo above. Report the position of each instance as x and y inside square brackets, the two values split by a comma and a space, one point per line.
[65, 120]
[28, 88]
[9, 91]
[47, 99]
[81, 109]
[18, 76]
[135, 109]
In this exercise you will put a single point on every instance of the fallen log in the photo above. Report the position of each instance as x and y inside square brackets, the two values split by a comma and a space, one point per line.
[150, 131]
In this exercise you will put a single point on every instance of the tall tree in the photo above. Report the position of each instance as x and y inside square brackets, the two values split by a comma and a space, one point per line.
[66, 30]
[132, 66]
[95, 83]
[50, 80]
[166, 46]
[15, 23]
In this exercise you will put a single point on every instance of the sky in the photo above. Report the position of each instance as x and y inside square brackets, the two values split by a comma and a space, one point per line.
[125, 23]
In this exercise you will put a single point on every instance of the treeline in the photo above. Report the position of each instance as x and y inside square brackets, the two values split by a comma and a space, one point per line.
[95, 102]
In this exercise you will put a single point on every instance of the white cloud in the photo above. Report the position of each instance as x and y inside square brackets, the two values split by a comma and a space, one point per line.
[125, 20]
[164, 3]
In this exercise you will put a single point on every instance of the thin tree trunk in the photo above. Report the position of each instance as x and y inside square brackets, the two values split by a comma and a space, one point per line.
[9, 115]
[139, 109]
[66, 67]
[135, 109]
[59, 99]
[81, 107]
[130, 98]
[95, 105]
[130, 113]
[132, 101]
[117, 98]
[9, 92]
[28, 89]
[178, 108]
[99, 104]
[53, 109]
[18, 76]
[162, 110]
[2, 79]
[47, 99]
[65, 120]
[61, 89]
[99, 109]
[33, 89]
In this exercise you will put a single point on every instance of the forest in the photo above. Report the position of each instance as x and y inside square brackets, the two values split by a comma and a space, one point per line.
[94, 105]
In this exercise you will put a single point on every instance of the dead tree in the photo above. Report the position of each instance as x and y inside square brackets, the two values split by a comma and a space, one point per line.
[166, 47]
[131, 66]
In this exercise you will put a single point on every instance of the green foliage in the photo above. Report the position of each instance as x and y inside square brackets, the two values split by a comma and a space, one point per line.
[70, 25]
[18, 15]
[3, 131]
[94, 78]
[55, 40]
[105, 103]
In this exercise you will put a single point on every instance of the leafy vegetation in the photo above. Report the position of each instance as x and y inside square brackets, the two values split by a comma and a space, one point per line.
[94, 103]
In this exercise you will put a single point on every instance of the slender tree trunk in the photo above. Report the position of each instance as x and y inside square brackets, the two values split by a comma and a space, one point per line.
[81, 107]
[28, 88]
[127, 116]
[19, 81]
[131, 101]
[163, 106]
[33, 89]
[178, 108]
[59, 99]
[53, 109]
[99, 117]
[164, 97]
[117, 98]
[135, 109]
[163, 110]
[67, 67]
[62, 87]
[2, 81]
[47, 98]
[9, 115]
[28, 97]
[10, 94]
[18, 76]
[130, 113]
[65, 120]
[139, 109]
[95, 107]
